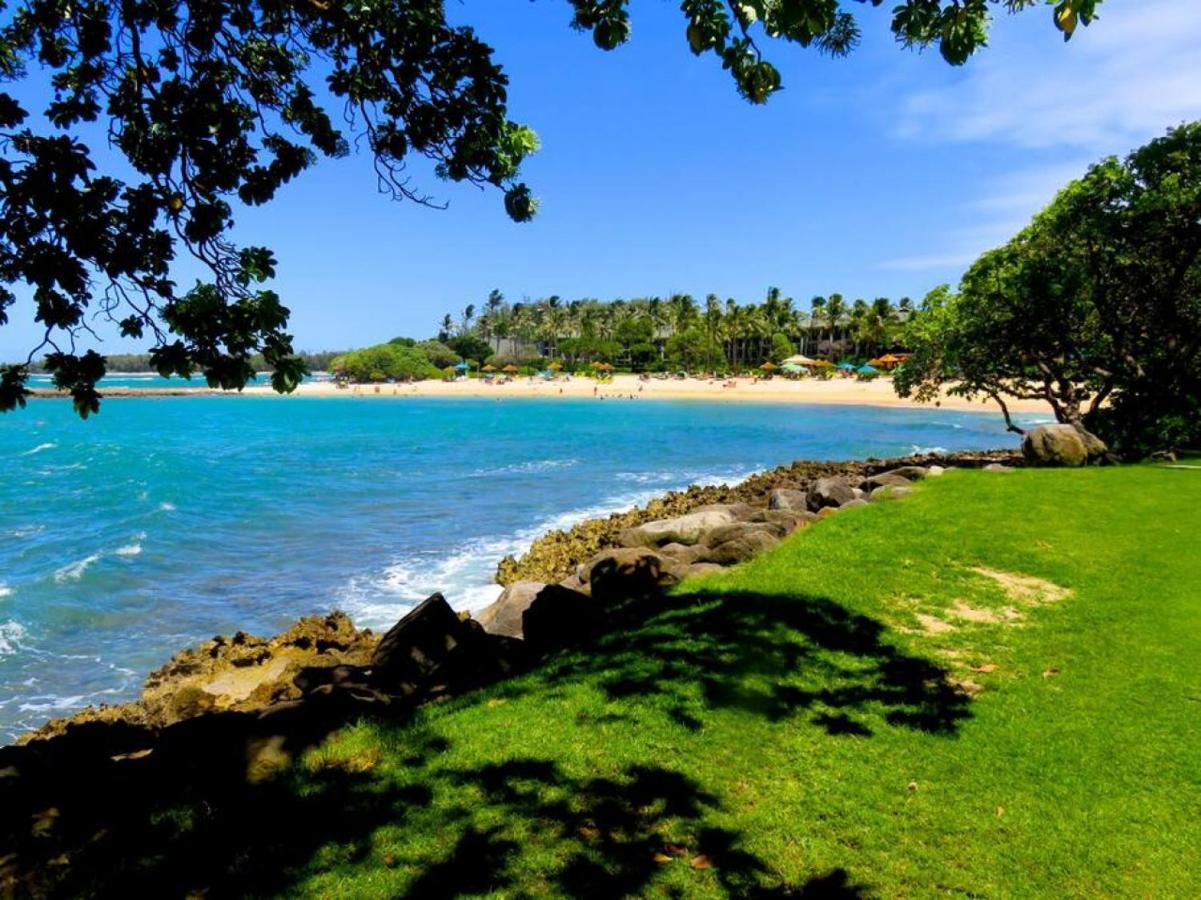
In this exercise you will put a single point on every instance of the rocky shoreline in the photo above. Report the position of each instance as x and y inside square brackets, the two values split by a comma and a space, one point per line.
[729, 524]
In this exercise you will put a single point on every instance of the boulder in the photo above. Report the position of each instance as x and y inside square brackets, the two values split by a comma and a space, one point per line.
[788, 499]
[630, 573]
[998, 467]
[911, 473]
[504, 616]
[574, 583]
[559, 617]
[827, 492]
[858, 501]
[705, 568]
[891, 492]
[886, 479]
[684, 553]
[739, 542]
[1061, 445]
[935, 471]
[419, 645]
[685, 529]
[789, 519]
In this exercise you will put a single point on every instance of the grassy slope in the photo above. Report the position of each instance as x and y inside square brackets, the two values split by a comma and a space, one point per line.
[787, 721]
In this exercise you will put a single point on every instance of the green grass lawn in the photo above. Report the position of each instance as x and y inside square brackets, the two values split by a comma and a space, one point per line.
[795, 726]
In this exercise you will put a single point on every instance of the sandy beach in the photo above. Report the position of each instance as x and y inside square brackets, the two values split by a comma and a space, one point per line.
[837, 391]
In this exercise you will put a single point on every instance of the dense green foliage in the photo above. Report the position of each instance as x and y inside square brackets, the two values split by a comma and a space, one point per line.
[677, 332]
[1095, 307]
[216, 104]
[384, 362]
[731, 29]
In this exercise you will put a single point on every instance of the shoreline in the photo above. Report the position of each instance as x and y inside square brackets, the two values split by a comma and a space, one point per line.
[248, 674]
[832, 392]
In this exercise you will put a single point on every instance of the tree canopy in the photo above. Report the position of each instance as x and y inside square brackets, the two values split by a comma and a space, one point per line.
[214, 104]
[1095, 307]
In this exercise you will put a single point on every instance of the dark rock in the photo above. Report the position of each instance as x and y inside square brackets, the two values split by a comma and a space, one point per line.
[1061, 445]
[559, 617]
[504, 616]
[416, 647]
[574, 583]
[737, 543]
[827, 492]
[629, 573]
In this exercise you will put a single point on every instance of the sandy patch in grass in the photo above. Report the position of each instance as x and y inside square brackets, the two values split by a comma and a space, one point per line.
[933, 624]
[1024, 588]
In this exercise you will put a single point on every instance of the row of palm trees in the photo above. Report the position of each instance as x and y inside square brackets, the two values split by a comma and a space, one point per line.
[748, 334]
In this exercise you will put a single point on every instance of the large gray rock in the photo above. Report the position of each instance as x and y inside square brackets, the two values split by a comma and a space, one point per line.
[684, 553]
[1061, 445]
[827, 492]
[891, 492]
[685, 529]
[885, 479]
[737, 543]
[912, 473]
[504, 616]
[630, 573]
[790, 519]
[788, 499]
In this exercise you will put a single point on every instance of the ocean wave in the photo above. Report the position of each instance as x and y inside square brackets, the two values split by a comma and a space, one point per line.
[465, 576]
[531, 466]
[27, 531]
[134, 547]
[75, 571]
[39, 448]
[166, 506]
[12, 633]
[915, 450]
[5, 591]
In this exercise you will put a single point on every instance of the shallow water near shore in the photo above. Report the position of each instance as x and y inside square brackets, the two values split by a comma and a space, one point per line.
[164, 521]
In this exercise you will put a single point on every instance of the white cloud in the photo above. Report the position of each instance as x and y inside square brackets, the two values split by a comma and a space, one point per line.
[1127, 77]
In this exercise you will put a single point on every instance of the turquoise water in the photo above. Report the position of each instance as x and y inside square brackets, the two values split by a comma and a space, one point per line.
[164, 521]
[141, 380]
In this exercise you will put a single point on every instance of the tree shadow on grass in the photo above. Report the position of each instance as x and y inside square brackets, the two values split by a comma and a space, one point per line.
[199, 813]
[771, 655]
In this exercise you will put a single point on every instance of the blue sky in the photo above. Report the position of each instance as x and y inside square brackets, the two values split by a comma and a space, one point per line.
[881, 174]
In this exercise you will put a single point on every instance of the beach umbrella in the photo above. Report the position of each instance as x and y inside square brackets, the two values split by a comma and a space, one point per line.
[556, 366]
[868, 370]
[799, 360]
[792, 368]
[462, 367]
[822, 364]
[511, 369]
[769, 367]
[488, 368]
[847, 367]
[889, 359]
[603, 367]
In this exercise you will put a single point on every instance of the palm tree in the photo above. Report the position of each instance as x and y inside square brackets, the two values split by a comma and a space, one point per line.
[836, 309]
[468, 317]
[446, 327]
[817, 307]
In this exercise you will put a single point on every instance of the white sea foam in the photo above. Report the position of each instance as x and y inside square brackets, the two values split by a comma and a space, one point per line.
[27, 531]
[5, 591]
[166, 506]
[134, 547]
[921, 451]
[12, 633]
[75, 571]
[531, 466]
[465, 575]
[39, 448]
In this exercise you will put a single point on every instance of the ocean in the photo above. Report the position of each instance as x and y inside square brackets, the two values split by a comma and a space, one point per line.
[164, 521]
